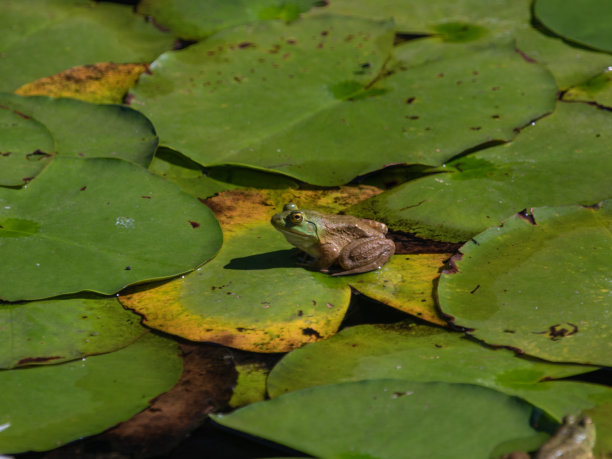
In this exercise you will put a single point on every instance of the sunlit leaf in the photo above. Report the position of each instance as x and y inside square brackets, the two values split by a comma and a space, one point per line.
[540, 284]
[104, 82]
[43, 37]
[98, 224]
[562, 159]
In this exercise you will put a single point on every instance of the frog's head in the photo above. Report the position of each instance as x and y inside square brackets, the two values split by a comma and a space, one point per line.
[295, 225]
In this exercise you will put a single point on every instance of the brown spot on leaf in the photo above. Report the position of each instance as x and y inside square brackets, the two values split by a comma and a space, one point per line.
[246, 44]
[194, 224]
[559, 331]
[33, 360]
[311, 332]
[527, 216]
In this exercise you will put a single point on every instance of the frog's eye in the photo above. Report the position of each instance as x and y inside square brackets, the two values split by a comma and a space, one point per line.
[295, 217]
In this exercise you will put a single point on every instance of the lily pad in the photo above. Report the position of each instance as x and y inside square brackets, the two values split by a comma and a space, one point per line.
[45, 37]
[424, 353]
[539, 283]
[372, 418]
[46, 406]
[104, 82]
[422, 115]
[85, 130]
[99, 225]
[50, 332]
[560, 160]
[197, 20]
[252, 295]
[405, 283]
[598, 90]
[586, 22]
[26, 146]
[452, 19]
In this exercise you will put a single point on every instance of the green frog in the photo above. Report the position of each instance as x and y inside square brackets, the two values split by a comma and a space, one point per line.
[356, 245]
[574, 440]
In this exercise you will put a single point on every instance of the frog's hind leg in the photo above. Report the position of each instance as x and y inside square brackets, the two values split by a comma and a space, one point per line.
[363, 255]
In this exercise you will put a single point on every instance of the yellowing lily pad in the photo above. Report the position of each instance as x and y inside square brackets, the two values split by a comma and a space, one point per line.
[597, 90]
[405, 283]
[253, 295]
[539, 284]
[104, 82]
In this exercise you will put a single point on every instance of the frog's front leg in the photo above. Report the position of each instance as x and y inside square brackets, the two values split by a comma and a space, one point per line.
[365, 254]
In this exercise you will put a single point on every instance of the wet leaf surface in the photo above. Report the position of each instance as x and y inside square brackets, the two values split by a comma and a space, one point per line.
[75, 399]
[540, 284]
[47, 37]
[469, 421]
[95, 225]
[560, 160]
[50, 332]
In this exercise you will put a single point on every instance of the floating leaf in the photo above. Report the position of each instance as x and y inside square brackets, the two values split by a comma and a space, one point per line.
[372, 418]
[405, 283]
[45, 37]
[410, 352]
[560, 160]
[540, 284]
[253, 295]
[586, 22]
[105, 82]
[99, 225]
[422, 115]
[597, 89]
[26, 146]
[455, 19]
[44, 407]
[90, 130]
[54, 331]
[198, 20]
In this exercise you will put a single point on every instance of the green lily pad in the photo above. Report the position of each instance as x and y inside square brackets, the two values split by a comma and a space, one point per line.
[46, 406]
[423, 115]
[569, 65]
[586, 22]
[387, 418]
[45, 37]
[98, 225]
[541, 288]
[104, 131]
[560, 160]
[598, 90]
[50, 332]
[455, 19]
[26, 146]
[197, 20]
[424, 353]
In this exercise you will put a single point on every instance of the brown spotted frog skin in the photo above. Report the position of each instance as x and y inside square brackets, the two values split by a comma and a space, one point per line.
[574, 440]
[356, 245]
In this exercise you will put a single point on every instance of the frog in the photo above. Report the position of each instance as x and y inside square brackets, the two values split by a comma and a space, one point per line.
[355, 245]
[573, 440]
